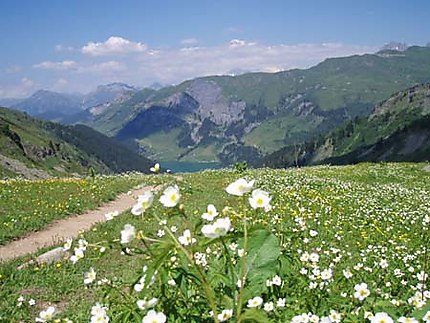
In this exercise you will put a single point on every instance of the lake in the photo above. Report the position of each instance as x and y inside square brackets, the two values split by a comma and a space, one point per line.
[188, 167]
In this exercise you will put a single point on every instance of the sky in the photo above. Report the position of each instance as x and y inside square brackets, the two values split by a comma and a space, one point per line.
[75, 45]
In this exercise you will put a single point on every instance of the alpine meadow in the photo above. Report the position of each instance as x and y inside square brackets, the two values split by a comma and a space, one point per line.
[215, 161]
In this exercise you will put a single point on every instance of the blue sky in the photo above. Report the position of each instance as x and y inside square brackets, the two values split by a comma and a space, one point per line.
[75, 45]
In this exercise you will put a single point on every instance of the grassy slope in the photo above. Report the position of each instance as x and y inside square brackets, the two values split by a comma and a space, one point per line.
[352, 208]
[61, 150]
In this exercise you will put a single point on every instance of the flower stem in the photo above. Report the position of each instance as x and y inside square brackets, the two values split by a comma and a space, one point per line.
[243, 270]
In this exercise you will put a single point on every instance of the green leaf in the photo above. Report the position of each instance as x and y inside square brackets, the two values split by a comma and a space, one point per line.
[262, 255]
[254, 316]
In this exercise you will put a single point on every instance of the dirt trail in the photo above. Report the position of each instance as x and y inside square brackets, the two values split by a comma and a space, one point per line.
[70, 227]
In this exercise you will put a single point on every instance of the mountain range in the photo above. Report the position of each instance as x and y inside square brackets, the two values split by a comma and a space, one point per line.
[67, 108]
[232, 118]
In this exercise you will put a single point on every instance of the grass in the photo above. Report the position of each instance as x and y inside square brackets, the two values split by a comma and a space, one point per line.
[369, 220]
[30, 205]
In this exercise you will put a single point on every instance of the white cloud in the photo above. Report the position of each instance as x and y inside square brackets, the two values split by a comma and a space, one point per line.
[64, 65]
[61, 48]
[104, 67]
[114, 45]
[189, 41]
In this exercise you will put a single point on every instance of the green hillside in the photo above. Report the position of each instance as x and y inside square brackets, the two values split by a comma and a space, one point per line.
[37, 149]
[398, 129]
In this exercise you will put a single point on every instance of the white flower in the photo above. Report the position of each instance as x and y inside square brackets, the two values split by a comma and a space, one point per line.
[219, 228]
[268, 307]
[240, 187]
[225, 315]
[259, 199]
[407, 320]
[171, 196]
[186, 238]
[128, 234]
[160, 233]
[144, 304]
[109, 216]
[46, 315]
[211, 213]
[335, 316]
[89, 276]
[79, 254]
[255, 302]
[426, 317]
[313, 233]
[68, 244]
[174, 228]
[381, 317]
[155, 168]
[99, 314]
[361, 291]
[154, 317]
[144, 201]
[347, 273]
[276, 281]
[281, 302]
[326, 274]
[314, 257]
[171, 282]
[31, 302]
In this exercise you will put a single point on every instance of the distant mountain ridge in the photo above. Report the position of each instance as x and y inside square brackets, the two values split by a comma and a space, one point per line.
[64, 107]
[37, 149]
[231, 118]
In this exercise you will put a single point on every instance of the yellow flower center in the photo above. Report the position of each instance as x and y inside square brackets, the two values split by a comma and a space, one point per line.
[259, 201]
[173, 197]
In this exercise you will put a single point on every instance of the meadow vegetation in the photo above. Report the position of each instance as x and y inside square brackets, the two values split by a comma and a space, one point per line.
[317, 244]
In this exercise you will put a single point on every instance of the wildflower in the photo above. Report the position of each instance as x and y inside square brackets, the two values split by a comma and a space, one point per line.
[381, 317]
[347, 273]
[99, 314]
[225, 315]
[79, 254]
[313, 233]
[281, 302]
[171, 196]
[255, 302]
[89, 276]
[154, 317]
[268, 307]
[219, 228]
[155, 168]
[174, 228]
[276, 280]
[361, 291]
[68, 244]
[144, 304]
[161, 233]
[335, 316]
[186, 238]
[314, 257]
[240, 187]
[407, 320]
[109, 216]
[426, 317]
[326, 274]
[259, 199]
[46, 315]
[171, 282]
[31, 302]
[143, 203]
[128, 234]
[211, 213]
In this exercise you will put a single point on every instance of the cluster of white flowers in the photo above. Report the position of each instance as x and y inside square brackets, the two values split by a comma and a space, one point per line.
[99, 314]
[79, 251]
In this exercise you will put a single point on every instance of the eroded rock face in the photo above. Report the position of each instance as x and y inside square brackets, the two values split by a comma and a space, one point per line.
[212, 103]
